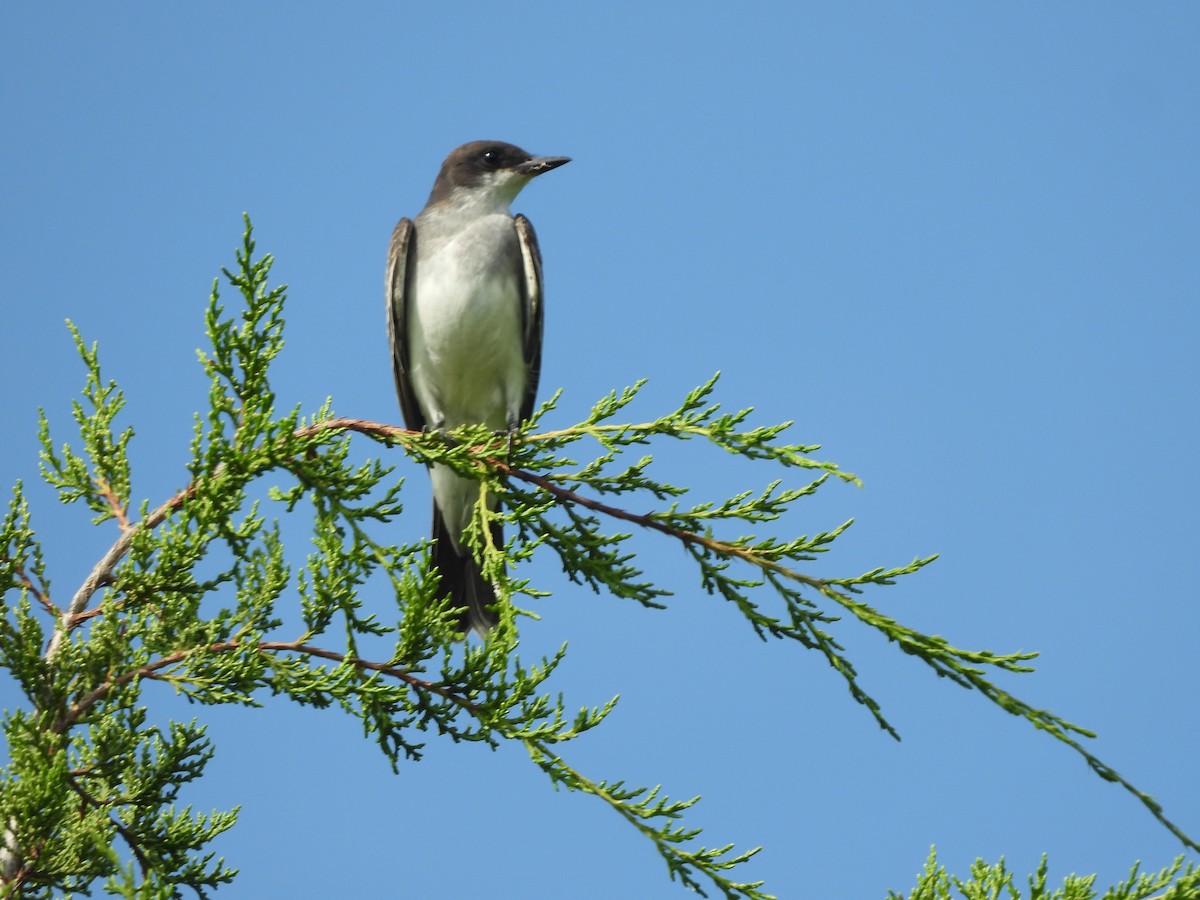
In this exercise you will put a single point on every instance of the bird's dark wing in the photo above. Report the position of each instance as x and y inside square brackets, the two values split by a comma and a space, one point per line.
[531, 309]
[402, 255]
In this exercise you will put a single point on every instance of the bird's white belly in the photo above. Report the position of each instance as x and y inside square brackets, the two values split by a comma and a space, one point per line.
[465, 343]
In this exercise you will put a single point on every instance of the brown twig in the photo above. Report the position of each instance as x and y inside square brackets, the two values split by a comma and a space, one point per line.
[130, 841]
[566, 495]
[102, 572]
[119, 510]
[153, 670]
[38, 593]
[363, 426]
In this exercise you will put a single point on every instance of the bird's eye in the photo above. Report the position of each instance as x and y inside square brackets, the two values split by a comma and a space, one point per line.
[491, 159]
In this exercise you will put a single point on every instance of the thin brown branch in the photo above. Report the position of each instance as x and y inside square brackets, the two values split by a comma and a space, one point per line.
[382, 668]
[85, 615]
[648, 521]
[133, 845]
[124, 832]
[154, 670]
[102, 572]
[119, 509]
[363, 426]
[38, 593]
[359, 426]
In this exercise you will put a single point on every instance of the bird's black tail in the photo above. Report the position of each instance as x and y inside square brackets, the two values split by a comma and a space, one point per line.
[462, 581]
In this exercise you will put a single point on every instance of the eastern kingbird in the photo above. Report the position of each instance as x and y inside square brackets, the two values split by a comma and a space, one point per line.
[464, 300]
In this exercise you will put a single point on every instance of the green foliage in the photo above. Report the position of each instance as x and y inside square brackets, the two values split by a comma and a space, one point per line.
[195, 593]
[995, 882]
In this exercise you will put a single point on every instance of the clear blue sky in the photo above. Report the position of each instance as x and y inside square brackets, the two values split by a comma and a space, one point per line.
[957, 244]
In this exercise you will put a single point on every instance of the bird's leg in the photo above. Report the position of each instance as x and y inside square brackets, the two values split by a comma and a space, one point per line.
[438, 426]
[513, 427]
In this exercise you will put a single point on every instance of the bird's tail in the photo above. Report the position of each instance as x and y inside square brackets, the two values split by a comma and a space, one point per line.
[461, 579]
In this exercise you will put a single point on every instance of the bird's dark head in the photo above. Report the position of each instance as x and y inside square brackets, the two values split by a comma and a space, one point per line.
[489, 173]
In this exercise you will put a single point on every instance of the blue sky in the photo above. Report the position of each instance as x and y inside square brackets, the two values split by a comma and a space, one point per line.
[956, 244]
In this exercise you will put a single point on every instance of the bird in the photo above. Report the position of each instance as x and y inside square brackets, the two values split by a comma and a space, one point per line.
[464, 316]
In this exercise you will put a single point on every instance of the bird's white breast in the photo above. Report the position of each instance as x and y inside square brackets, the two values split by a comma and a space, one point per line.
[465, 333]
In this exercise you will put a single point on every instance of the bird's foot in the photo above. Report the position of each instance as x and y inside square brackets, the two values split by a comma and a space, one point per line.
[438, 427]
[511, 433]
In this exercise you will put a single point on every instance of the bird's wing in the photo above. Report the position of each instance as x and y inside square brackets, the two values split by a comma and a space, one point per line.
[531, 309]
[402, 253]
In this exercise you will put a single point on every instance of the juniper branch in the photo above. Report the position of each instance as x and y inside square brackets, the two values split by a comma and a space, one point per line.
[137, 617]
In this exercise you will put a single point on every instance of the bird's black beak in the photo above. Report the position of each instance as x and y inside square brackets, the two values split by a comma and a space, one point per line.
[539, 164]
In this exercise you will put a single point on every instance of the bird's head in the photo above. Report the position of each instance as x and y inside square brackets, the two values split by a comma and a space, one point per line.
[488, 174]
